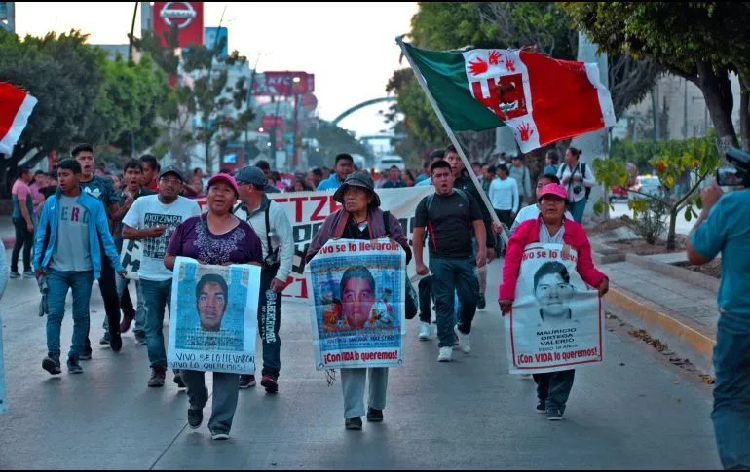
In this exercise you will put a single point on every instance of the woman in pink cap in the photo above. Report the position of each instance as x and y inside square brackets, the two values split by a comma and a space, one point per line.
[550, 227]
[216, 238]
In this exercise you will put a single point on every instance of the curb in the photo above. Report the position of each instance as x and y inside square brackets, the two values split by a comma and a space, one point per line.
[679, 336]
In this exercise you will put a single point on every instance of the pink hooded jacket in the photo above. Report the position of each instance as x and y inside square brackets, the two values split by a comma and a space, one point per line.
[527, 233]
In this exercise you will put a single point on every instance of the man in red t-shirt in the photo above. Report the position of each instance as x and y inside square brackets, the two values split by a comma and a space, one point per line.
[23, 209]
[151, 170]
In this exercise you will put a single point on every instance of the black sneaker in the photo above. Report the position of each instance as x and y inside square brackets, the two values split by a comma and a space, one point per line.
[74, 367]
[374, 415]
[353, 423]
[115, 342]
[178, 380]
[540, 408]
[481, 303]
[104, 341]
[86, 354]
[247, 381]
[195, 418]
[554, 413]
[140, 337]
[15, 275]
[51, 365]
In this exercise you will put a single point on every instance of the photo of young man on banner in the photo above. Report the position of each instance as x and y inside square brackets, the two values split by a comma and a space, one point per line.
[358, 309]
[214, 322]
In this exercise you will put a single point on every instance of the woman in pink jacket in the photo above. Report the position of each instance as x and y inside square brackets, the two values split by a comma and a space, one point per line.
[551, 227]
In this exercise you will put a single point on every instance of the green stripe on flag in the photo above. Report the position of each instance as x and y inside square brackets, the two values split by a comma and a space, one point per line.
[445, 74]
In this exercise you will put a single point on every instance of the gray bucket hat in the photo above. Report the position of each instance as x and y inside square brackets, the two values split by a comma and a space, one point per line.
[357, 179]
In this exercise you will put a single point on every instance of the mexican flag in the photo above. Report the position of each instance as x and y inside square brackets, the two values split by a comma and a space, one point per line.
[540, 98]
[15, 108]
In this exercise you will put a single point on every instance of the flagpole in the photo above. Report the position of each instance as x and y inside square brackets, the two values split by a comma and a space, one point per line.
[449, 131]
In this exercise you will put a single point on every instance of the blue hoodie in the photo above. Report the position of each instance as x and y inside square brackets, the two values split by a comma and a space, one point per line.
[98, 231]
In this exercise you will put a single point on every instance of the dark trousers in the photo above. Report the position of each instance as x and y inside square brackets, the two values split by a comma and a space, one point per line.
[451, 276]
[504, 217]
[125, 302]
[425, 299]
[25, 239]
[269, 322]
[108, 289]
[553, 388]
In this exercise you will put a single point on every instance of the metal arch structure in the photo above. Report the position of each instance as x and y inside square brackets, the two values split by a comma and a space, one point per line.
[366, 103]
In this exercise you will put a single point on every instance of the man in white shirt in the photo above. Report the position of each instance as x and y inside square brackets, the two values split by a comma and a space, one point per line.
[503, 195]
[270, 223]
[152, 219]
[578, 179]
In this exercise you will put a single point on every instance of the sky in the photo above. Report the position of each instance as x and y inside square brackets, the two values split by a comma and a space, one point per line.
[349, 47]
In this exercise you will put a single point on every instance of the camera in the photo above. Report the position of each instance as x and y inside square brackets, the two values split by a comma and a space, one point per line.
[738, 173]
[577, 189]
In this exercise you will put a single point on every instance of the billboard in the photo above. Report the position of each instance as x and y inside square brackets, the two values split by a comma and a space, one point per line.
[283, 83]
[187, 17]
[213, 34]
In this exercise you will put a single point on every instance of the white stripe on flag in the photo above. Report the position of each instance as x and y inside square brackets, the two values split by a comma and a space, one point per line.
[19, 123]
[605, 98]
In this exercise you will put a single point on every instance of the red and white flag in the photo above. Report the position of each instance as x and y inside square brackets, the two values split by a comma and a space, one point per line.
[15, 109]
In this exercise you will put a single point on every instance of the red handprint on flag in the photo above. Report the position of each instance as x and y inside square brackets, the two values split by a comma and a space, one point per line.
[525, 131]
[478, 66]
[510, 65]
[495, 57]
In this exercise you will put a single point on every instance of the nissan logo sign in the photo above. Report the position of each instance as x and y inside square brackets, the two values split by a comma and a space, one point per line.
[179, 14]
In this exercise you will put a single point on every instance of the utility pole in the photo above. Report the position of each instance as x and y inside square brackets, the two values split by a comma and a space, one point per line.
[248, 103]
[206, 137]
[685, 118]
[130, 62]
[295, 159]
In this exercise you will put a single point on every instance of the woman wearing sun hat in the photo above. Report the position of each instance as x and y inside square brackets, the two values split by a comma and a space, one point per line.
[360, 218]
[550, 227]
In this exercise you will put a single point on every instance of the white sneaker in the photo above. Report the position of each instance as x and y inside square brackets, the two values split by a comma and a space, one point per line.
[465, 342]
[424, 331]
[444, 355]
[526, 377]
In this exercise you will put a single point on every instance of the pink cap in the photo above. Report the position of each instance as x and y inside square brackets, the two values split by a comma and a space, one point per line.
[225, 178]
[554, 189]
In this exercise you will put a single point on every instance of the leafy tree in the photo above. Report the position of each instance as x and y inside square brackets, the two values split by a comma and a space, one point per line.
[700, 41]
[334, 140]
[671, 160]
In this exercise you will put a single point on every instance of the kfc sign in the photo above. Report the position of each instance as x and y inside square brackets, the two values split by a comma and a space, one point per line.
[283, 83]
[187, 17]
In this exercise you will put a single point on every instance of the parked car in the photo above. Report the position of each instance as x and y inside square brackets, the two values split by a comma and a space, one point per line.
[648, 185]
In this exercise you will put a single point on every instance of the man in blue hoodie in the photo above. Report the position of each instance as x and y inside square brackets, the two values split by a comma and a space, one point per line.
[67, 250]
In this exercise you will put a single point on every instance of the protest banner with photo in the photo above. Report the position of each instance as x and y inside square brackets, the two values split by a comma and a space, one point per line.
[130, 256]
[307, 211]
[214, 319]
[556, 322]
[358, 305]
[3, 393]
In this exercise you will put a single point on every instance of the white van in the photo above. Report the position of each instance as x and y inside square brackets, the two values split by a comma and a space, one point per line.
[386, 162]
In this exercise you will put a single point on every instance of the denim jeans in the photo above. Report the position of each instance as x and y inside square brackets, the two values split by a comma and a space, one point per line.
[448, 277]
[731, 413]
[24, 239]
[156, 296]
[576, 209]
[269, 322]
[80, 284]
[108, 290]
[140, 311]
[554, 388]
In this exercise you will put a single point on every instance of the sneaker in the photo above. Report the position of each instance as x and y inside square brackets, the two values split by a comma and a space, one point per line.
[374, 415]
[466, 343]
[247, 381]
[104, 341]
[195, 418]
[28, 274]
[178, 380]
[217, 436]
[115, 342]
[51, 365]
[554, 413]
[424, 331]
[540, 408]
[158, 377]
[526, 377]
[481, 303]
[444, 354]
[353, 423]
[86, 354]
[271, 384]
[14, 275]
[127, 319]
[140, 337]
[74, 367]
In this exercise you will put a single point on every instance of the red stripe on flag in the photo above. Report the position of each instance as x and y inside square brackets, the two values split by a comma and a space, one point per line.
[565, 103]
[11, 99]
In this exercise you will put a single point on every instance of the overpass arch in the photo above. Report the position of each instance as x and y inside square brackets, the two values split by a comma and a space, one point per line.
[364, 104]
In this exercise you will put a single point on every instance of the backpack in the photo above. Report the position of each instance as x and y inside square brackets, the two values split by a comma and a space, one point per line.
[411, 301]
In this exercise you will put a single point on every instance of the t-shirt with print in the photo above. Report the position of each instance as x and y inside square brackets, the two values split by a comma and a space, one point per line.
[73, 247]
[449, 223]
[117, 235]
[149, 212]
[239, 246]
[102, 189]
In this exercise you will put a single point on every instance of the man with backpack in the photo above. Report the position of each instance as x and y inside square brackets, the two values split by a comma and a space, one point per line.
[451, 216]
[272, 226]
